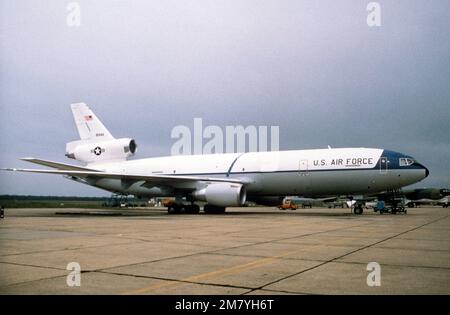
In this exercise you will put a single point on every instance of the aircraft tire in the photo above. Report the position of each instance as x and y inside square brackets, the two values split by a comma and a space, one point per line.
[173, 210]
[193, 209]
[358, 210]
[209, 209]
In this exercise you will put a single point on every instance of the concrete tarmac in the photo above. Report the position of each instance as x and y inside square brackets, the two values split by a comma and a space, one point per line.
[245, 251]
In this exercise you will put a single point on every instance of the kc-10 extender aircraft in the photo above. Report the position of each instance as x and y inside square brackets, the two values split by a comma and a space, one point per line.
[226, 180]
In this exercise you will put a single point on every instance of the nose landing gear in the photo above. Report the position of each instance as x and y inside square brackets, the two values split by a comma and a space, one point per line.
[358, 209]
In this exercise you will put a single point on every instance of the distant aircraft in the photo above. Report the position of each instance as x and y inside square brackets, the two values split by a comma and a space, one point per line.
[402, 197]
[226, 180]
[309, 202]
[426, 196]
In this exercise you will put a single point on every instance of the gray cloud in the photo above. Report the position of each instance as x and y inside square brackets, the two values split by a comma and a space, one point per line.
[312, 67]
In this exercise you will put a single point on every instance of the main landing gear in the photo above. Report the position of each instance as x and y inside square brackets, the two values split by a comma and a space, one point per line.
[193, 209]
[210, 209]
[358, 209]
[187, 209]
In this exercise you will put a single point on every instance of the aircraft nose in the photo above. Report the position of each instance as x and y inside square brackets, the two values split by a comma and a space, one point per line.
[427, 172]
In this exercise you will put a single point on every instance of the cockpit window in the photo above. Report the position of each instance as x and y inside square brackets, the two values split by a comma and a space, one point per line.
[406, 161]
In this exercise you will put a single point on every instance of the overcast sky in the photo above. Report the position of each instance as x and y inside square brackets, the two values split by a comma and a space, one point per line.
[314, 68]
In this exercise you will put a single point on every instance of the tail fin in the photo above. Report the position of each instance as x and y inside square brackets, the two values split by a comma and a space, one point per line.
[96, 143]
[88, 125]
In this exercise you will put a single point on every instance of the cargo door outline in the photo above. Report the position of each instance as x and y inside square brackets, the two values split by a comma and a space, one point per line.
[303, 167]
[384, 165]
[304, 178]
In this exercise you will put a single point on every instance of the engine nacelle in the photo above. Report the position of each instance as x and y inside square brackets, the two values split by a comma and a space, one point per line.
[100, 151]
[222, 194]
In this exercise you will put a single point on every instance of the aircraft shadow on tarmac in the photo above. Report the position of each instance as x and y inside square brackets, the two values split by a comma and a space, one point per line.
[230, 213]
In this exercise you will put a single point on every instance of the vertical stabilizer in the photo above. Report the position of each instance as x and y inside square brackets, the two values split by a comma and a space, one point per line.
[88, 125]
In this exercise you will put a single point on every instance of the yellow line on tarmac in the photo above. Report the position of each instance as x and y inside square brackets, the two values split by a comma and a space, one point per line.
[212, 274]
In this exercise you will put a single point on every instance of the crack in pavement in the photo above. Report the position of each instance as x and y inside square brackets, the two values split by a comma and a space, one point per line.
[352, 252]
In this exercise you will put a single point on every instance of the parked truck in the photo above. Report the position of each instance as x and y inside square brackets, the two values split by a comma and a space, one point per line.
[288, 204]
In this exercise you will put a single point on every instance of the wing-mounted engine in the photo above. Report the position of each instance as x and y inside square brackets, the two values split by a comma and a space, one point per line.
[101, 151]
[222, 194]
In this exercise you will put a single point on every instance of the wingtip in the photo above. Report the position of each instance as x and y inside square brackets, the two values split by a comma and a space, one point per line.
[27, 158]
[8, 169]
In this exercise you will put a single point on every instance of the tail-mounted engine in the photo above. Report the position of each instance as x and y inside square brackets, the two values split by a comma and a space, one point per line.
[101, 151]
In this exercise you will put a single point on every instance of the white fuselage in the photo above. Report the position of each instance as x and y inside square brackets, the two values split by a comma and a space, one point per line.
[312, 173]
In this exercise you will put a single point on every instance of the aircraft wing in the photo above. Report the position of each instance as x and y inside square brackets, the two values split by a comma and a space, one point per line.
[57, 165]
[163, 179]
